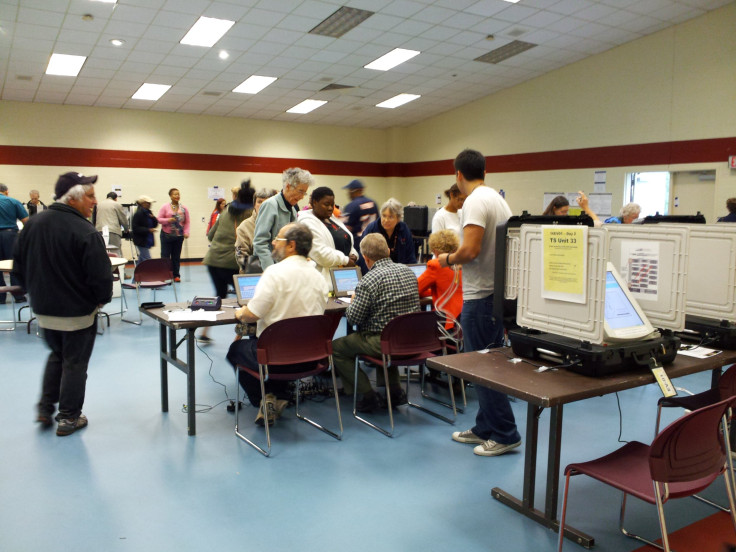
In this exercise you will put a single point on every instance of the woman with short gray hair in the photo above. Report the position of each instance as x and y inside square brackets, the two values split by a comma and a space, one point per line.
[395, 231]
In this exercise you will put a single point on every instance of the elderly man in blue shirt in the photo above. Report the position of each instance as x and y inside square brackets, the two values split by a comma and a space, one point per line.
[11, 211]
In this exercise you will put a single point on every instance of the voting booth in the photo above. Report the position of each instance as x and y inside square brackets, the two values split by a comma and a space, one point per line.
[576, 311]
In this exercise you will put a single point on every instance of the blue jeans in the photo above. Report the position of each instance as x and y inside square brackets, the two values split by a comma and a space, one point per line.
[495, 419]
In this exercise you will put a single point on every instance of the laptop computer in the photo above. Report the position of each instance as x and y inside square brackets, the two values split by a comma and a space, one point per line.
[344, 280]
[418, 268]
[245, 287]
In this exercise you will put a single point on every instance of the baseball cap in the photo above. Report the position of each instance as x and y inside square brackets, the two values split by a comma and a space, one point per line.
[68, 180]
[354, 185]
[144, 199]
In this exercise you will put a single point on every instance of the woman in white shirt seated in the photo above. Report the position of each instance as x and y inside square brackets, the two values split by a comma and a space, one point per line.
[332, 242]
[448, 218]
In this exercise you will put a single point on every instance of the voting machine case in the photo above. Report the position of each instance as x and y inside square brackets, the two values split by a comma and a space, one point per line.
[590, 359]
[572, 334]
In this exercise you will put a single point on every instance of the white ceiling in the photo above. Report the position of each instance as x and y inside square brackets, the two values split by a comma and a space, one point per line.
[270, 37]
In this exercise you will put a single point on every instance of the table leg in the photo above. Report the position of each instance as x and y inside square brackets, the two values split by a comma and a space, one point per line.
[553, 462]
[548, 518]
[191, 402]
[164, 370]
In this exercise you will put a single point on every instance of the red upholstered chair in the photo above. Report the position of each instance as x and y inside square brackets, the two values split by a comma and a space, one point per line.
[407, 340]
[305, 339]
[683, 460]
[152, 274]
[726, 388]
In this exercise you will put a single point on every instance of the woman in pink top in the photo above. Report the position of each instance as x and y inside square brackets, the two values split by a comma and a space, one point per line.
[174, 219]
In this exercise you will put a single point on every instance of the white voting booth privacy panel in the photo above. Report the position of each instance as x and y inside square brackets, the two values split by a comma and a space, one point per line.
[583, 321]
[513, 250]
[711, 282]
[653, 260]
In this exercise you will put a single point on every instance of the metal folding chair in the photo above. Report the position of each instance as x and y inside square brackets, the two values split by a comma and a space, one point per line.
[294, 341]
[407, 340]
[152, 274]
[683, 460]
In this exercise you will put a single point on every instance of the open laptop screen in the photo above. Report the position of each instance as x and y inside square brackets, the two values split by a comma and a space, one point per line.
[417, 269]
[245, 286]
[344, 280]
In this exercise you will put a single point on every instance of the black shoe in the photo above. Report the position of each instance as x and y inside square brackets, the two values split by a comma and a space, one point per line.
[369, 402]
[45, 420]
[398, 397]
[21, 299]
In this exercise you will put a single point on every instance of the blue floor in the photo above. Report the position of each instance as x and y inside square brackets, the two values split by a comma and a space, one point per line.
[134, 481]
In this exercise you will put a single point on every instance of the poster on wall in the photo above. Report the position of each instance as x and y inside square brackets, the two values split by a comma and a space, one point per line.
[600, 203]
[215, 193]
[599, 181]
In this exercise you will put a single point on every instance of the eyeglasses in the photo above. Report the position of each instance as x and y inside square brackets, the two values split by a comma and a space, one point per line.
[280, 239]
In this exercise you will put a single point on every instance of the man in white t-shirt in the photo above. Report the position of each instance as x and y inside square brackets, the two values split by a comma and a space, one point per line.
[287, 289]
[495, 429]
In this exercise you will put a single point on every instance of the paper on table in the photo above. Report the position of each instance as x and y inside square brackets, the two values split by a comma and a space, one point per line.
[699, 352]
[187, 315]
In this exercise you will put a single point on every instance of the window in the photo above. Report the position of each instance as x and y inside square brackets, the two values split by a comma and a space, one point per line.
[651, 190]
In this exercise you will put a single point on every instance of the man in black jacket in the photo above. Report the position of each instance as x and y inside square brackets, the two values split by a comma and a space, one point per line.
[61, 260]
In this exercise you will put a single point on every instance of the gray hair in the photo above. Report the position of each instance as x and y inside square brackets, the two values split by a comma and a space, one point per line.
[374, 247]
[301, 235]
[395, 206]
[630, 209]
[265, 193]
[3, 188]
[75, 192]
[34, 192]
[295, 177]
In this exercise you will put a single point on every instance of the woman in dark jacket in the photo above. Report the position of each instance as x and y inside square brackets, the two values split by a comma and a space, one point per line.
[397, 233]
[144, 225]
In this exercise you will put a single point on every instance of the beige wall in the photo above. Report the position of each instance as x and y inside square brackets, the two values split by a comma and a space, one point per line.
[678, 84]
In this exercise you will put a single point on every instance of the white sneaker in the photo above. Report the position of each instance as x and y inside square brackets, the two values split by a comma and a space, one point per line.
[492, 448]
[467, 436]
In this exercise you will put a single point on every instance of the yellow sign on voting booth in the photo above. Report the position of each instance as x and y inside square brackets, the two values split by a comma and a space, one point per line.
[564, 263]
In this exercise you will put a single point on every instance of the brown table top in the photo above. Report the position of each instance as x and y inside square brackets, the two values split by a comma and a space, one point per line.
[554, 387]
[227, 317]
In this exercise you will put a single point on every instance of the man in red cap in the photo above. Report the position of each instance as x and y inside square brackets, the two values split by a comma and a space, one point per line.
[61, 260]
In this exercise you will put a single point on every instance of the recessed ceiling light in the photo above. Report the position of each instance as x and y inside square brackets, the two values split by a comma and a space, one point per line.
[395, 57]
[341, 22]
[117, 41]
[66, 65]
[511, 1]
[306, 106]
[396, 101]
[223, 54]
[106, 1]
[151, 92]
[254, 84]
[207, 31]
[505, 52]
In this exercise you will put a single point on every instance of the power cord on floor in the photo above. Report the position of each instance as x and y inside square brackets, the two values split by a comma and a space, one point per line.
[620, 421]
[203, 408]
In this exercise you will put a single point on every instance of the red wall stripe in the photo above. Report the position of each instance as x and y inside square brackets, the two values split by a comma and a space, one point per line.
[660, 153]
